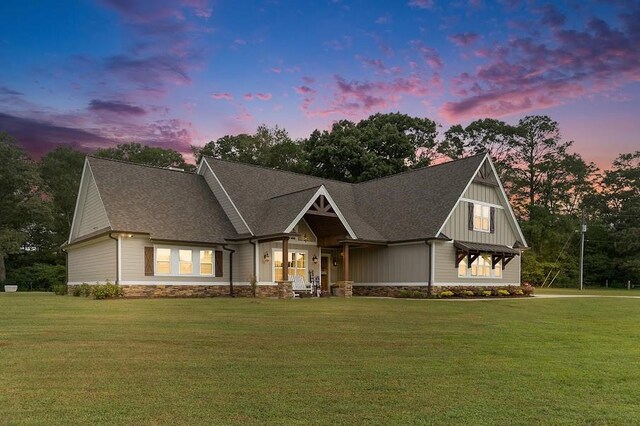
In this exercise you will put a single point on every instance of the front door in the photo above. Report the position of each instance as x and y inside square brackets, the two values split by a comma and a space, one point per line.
[324, 273]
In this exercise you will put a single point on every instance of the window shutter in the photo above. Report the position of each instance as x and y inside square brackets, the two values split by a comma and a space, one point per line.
[219, 263]
[470, 216]
[492, 219]
[148, 261]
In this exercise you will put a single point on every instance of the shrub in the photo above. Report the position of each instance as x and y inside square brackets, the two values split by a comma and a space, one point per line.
[527, 289]
[60, 289]
[446, 293]
[37, 277]
[486, 293]
[106, 291]
[503, 292]
[468, 293]
[404, 294]
[75, 291]
[416, 294]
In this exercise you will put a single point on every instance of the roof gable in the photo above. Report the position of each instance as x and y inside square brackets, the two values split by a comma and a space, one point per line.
[90, 215]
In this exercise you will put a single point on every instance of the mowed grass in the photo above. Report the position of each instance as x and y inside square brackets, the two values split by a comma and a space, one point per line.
[591, 291]
[328, 361]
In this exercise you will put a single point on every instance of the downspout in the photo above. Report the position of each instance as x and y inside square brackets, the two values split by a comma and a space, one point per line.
[231, 251]
[117, 258]
[255, 259]
[66, 265]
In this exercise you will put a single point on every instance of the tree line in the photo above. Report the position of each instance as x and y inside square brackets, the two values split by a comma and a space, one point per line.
[551, 188]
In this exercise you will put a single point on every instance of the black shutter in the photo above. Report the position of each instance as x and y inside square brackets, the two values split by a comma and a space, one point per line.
[492, 220]
[470, 216]
[219, 270]
[148, 261]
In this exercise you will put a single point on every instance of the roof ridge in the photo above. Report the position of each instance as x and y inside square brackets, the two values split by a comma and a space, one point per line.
[295, 192]
[131, 163]
[420, 168]
[258, 166]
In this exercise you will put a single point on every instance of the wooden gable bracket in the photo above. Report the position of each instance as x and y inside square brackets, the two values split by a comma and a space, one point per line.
[507, 259]
[472, 258]
[495, 258]
[321, 208]
[459, 256]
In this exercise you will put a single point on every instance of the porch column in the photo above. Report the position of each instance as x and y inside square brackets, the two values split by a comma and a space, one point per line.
[285, 259]
[285, 291]
[346, 286]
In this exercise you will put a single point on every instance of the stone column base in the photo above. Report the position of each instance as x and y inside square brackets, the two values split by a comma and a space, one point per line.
[346, 288]
[285, 289]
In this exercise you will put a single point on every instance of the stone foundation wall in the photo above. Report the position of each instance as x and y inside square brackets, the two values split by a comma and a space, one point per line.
[388, 291]
[161, 290]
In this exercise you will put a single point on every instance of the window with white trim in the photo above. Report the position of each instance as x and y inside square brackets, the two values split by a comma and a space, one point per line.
[297, 264]
[480, 267]
[185, 262]
[481, 218]
[206, 262]
[163, 261]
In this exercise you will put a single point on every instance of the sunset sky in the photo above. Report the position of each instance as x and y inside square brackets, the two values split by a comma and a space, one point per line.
[176, 73]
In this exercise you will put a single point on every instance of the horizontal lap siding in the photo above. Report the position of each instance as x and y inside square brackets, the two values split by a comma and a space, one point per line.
[243, 262]
[393, 264]
[447, 273]
[93, 216]
[95, 261]
[133, 264]
[224, 201]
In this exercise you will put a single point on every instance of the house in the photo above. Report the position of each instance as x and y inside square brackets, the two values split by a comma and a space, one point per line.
[166, 232]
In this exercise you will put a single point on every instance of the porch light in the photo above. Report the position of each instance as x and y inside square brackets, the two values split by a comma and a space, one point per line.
[335, 262]
[315, 259]
[266, 257]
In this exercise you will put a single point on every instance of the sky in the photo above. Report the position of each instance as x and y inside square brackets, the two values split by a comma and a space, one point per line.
[184, 72]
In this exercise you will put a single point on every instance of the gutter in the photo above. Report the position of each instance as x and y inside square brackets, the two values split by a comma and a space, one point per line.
[117, 240]
[255, 259]
[231, 251]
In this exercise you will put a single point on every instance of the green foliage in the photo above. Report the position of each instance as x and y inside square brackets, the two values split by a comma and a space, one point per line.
[106, 291]
[37, 277]
[142, 154]
[446, 293]
[82, 290]
[60, 289]
[502, 292]
[486, 293]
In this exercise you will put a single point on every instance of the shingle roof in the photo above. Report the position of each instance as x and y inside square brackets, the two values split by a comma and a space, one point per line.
[410, 205]
[167, 204]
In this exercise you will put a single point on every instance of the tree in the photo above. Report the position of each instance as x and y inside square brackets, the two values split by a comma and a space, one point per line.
[268, 147]
[61, 170]
[142, 154]
[380, 145]
[19, 198]
[488, 135]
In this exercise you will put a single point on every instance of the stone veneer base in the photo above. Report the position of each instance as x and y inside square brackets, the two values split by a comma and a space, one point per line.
[161, 290]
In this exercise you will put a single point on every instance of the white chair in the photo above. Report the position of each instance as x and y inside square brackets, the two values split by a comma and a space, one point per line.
[298, 285]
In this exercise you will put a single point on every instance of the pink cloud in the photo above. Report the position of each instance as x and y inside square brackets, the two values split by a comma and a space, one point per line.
[275, 70]
[225, 96]
[309, 80]
[525, 74]
[304, 90]
[421, 4]
[464, 39]
[429, 54]
[115, 107]
[264, 96]
[248, 96]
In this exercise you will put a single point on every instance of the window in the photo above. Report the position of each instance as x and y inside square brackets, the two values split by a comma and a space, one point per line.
[480, 268]
[206, 262]
[185, 264]
[481, 218]
[163, 261]
[297, 264]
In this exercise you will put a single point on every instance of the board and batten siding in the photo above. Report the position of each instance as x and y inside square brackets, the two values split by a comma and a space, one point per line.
[92, 261]
[92, 215]
[223, 199]
[132, 267]
[457, 227]
[485, 193]
[392, 265]
[446, 273]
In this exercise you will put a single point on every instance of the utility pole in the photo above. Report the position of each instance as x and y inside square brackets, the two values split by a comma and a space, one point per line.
[583, 230]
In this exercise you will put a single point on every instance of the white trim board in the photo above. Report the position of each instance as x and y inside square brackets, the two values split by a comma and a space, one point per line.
[482, 203]
[322, 191]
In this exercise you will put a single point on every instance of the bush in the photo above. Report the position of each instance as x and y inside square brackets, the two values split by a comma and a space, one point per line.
[468, 293]
[405, 294]
[83, 290]
[486, 293]
[60, 289]
[37, 277]
[106, 291]
[503, 292]
[446, 293]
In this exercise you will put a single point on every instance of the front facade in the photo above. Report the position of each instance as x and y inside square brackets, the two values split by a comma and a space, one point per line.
[227, 228]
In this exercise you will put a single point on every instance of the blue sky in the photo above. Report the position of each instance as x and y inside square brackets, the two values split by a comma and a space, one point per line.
[177, 73]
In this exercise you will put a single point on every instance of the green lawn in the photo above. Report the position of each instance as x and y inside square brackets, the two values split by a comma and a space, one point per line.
[328, 361]
[597, 291]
